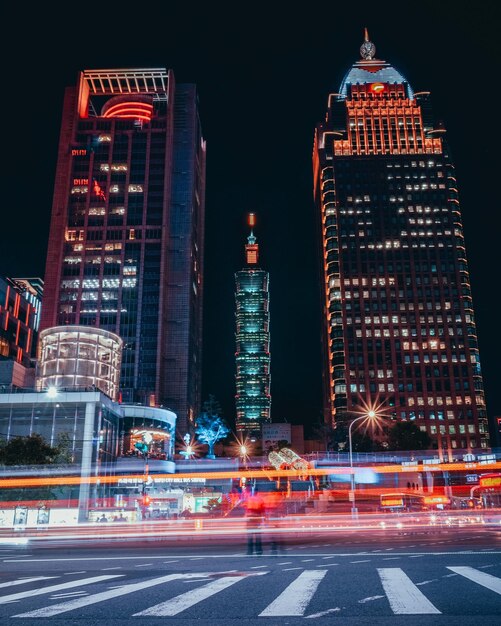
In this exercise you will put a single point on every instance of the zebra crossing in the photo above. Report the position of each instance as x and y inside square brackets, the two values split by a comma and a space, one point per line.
[294, 598]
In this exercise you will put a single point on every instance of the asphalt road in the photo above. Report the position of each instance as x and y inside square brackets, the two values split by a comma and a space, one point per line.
[429, 576]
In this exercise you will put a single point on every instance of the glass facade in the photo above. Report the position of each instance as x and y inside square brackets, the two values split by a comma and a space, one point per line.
[399, 327]
[127, 229]
[77, 357]
[253, 399]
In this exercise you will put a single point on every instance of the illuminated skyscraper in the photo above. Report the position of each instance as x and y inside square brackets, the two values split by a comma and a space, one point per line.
[253, 400]
[127, 232]
[399, 327]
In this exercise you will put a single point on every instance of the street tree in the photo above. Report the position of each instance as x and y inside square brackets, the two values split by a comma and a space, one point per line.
[30, 450]
[407, 436]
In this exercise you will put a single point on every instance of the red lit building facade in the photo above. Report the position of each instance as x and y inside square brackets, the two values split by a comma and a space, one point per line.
[399, 328]
[20, 305]
[127, 231]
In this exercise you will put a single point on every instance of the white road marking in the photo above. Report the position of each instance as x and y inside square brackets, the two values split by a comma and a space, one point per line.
[60, 587]
[322, 613]
[21, 581]
[364, 561]
[63, 607]
[403, 595]
[295, 598]
[370, 599]
[486, 580]
[425, 582]
[186, 600]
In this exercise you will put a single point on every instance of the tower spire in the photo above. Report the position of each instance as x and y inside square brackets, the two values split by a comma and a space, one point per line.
[251, 248]
[367, 49]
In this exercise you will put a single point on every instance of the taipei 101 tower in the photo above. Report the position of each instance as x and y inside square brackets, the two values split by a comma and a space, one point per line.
[253, 400]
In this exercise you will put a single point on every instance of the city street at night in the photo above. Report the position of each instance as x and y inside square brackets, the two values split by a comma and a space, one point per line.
[249, 345]
[418, 576]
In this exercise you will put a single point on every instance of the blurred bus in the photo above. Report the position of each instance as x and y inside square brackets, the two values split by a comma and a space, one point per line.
[402, 502]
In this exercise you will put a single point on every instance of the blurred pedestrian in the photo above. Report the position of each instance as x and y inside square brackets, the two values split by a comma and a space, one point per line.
[254, 510]
[274, 512]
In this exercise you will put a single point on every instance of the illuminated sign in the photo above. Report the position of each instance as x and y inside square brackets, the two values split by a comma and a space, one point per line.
[436, 500]
[392, 501]
[490, 481]
[80, 181]
[377, 87]
[79, 152]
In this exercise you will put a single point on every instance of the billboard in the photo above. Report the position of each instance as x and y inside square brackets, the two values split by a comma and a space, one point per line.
[272, 434]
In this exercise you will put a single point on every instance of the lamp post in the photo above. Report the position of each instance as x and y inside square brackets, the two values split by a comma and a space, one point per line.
[368, 416]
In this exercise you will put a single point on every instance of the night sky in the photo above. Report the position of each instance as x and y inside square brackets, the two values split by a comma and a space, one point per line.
[263, 78]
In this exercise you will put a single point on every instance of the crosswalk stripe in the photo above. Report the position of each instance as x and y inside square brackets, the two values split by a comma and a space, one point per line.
[44, 590]
[186, 600]
[23, 581]
[486, 580]
[63, 607]
[403, 595]
[295, 598]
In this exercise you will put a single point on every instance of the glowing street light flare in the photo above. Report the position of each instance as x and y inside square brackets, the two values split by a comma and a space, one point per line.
[52, 391]
[370, 416]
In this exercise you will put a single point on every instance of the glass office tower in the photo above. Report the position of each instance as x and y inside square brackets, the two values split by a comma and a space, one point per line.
[127, 231]
[253, 399]
[399, 327]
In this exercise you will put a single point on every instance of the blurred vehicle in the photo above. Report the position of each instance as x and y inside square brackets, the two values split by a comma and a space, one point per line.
[401, 502]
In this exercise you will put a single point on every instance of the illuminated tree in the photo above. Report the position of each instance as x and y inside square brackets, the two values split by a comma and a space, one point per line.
[210, 428]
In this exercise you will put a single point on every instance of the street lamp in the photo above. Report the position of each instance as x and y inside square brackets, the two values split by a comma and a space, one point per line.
[370, 415]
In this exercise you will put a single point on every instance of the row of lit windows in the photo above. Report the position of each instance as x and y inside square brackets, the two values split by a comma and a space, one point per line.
[395, 244]
[438, 401]
[132, 188]
[114, 167]
[381, 388]
[94, 283]
[439, 415]
[437, 174]
[418, 373]
[336, 294]
[395, 319]
[428, 163]
[396, 332]
[420, 209]
[452, 429]
[405, 307]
